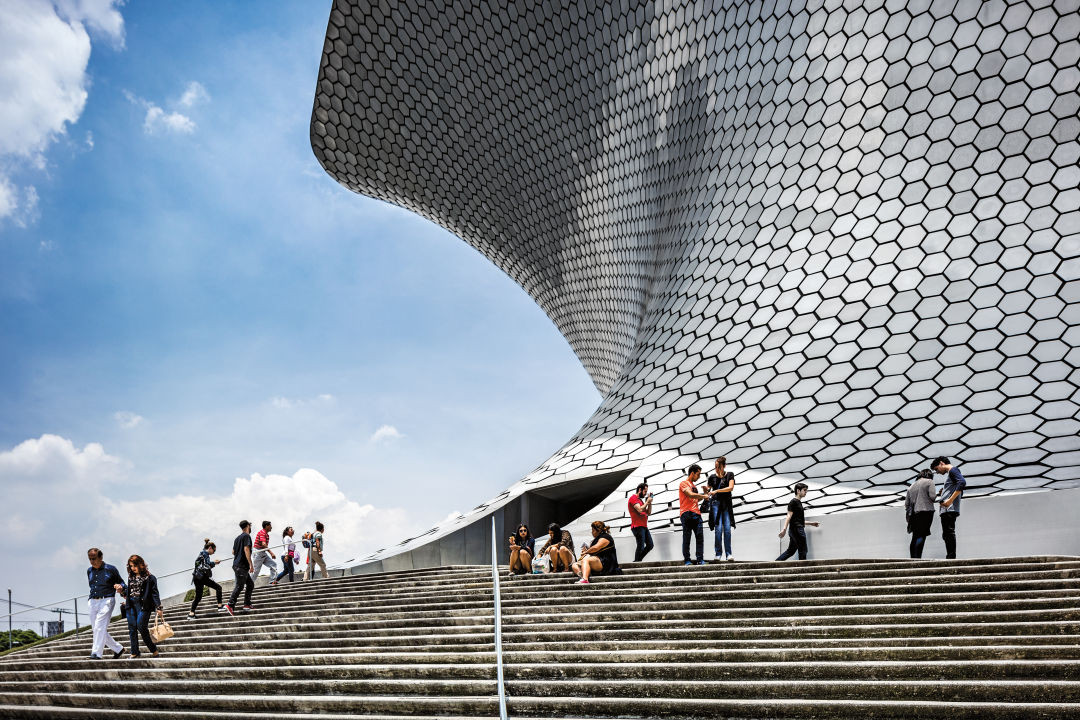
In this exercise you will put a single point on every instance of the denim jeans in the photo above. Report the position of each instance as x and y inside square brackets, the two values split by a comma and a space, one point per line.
[644, 542]
[139, 623]
[916, 546]
[948, 533]
[287, 568]
[243, 582]
[691, 523]
[797, 535]
[722, 533]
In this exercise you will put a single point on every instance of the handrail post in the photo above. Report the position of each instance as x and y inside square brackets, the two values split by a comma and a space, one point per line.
[498, 622]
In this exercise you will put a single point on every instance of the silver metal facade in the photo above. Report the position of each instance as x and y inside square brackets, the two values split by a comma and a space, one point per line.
[829, 240]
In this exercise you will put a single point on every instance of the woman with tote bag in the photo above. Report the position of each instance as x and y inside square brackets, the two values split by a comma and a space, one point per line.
[142, 600]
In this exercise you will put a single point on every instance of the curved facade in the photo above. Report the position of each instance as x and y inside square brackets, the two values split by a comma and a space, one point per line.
[828, 240]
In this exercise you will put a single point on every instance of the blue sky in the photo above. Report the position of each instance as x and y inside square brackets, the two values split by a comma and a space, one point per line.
[181, 284]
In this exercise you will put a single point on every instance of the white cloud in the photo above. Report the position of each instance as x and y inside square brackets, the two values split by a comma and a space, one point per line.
[43, 83]
[102, 16]
[52, 458]
[385, 433]
[128, 420]
[157, 120]
[46, 481]
[194, 94]
[284, 403]
[61, 500]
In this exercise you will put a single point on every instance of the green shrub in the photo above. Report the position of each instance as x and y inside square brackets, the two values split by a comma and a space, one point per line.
[191, 594]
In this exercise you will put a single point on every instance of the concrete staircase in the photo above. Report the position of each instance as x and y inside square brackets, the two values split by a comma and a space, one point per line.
[996, 638]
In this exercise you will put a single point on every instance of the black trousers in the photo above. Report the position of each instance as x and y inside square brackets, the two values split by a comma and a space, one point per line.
[644, 542]
[948, 533]
[199, 585]
[243, 582]
[691, 525]
[796, 542]
[920, 529]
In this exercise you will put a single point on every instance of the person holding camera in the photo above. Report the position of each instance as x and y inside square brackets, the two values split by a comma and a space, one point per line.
[522, 548]
[639, 506]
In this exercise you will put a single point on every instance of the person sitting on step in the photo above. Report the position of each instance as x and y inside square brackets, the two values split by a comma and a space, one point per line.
[522, 548]
[559, 548]
[600, 557]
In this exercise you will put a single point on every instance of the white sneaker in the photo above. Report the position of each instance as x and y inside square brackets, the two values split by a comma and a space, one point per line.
[731, 558]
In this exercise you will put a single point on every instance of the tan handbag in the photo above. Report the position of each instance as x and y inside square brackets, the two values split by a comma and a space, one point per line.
[161, 631]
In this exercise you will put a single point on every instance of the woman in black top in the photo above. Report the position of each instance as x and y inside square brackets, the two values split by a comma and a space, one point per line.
[522, 548]
[142, 600]
[721, 510]
[599, 558]
[203, 577]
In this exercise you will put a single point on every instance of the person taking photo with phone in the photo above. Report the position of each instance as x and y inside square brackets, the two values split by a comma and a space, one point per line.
[640, 506]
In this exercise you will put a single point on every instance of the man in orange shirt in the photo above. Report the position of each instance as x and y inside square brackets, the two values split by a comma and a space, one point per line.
[690, 515]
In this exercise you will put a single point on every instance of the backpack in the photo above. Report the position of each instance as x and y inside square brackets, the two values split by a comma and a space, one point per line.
[203, 568]
[306, 541]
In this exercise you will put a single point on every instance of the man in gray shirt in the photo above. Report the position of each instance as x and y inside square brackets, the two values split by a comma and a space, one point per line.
[950, 502]
[920, 510]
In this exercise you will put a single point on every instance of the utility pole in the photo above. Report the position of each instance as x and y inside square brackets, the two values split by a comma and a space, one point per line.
[75, 602]
[10, 644]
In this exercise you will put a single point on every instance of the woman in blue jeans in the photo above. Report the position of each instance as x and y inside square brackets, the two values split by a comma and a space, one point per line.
[142, 601]
[721, 511]
[288, 558]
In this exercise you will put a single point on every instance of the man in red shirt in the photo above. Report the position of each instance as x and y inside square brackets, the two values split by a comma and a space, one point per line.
[640, 505]
[263, 555]
[690, 515]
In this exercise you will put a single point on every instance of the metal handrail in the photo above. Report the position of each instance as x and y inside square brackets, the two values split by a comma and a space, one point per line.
[50, 607]
[498, 622]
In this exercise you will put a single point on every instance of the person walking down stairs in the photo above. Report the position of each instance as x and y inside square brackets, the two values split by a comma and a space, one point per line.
[203, 577]
[104, 581]
[143, 600]
[242, 565]
[796, 522]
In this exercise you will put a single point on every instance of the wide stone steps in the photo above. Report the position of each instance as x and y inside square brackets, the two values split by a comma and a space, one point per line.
[996, 638]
